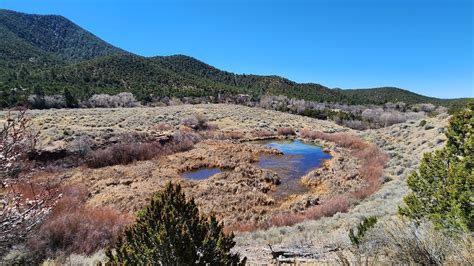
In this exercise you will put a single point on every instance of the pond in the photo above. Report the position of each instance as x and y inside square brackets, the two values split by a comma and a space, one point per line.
[297, 160]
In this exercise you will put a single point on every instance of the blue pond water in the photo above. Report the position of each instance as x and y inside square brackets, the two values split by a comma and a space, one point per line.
[297, 160]
[201, 173]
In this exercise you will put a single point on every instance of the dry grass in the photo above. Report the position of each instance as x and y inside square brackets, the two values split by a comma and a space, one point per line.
[262, 133]
[407, 242]
[339, 203]
[161, 127]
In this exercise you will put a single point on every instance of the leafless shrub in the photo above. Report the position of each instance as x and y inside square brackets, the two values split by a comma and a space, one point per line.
[17, 139]
[354, 124]
[125, 153]
[286, 131]
[233, 135]
[423, 107]
[23, 206]
[378, 117]
[197, 122]
[76, 227]
[266, 102]
[124, 99]
[211, 126]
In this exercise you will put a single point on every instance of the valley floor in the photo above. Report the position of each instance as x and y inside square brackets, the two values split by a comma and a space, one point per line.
[127, 187]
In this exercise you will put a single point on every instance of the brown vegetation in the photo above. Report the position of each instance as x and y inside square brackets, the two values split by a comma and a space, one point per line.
[372, 161]
[74, 226]
[231, 135]
[130, 152]
[161, 127]
[339, 203]
[286, 131]
[197, 122]
[262, 133]
[24, 204]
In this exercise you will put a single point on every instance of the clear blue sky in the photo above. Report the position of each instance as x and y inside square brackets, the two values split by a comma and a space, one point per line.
[420, 45]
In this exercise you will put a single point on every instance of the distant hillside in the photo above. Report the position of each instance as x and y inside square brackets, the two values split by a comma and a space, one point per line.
[56, 35]
[51, 54]
[386, 94]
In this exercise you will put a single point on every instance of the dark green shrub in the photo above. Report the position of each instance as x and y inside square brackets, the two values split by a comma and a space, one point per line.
[362, 228]
[170, 231]
[442, 188]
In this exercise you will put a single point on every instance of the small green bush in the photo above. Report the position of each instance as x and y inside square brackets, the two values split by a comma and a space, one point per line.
[170, 231]
[362, 228]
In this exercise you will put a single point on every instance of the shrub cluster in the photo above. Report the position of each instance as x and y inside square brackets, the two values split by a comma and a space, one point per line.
[197, 122]
[124, 99]
[76, 227]
[286, 131]
[125, 153]
[262, 133]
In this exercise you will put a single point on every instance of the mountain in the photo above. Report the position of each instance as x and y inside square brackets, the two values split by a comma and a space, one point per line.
[50, 54]
[56, 35]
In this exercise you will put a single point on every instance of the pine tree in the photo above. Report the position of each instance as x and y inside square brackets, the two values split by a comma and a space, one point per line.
[443, 188]
[170, 231]
[362, 228]
[71, 101]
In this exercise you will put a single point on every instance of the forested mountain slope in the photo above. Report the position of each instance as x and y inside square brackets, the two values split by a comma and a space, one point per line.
[50, 54]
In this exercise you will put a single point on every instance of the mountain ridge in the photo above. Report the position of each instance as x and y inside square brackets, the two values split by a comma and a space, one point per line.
[53, 54]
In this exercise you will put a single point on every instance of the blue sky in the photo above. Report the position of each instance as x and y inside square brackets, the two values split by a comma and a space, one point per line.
[420, 45]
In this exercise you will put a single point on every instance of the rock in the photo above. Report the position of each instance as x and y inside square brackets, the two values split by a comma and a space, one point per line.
[429, 126]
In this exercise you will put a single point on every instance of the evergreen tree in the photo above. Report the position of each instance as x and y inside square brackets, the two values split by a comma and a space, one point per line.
[170, 231]
[71, 101]
[362, 228]
[443, 188]
[38, 100]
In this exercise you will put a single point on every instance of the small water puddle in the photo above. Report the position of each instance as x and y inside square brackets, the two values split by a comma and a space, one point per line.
[201, 173]
[297, 160]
